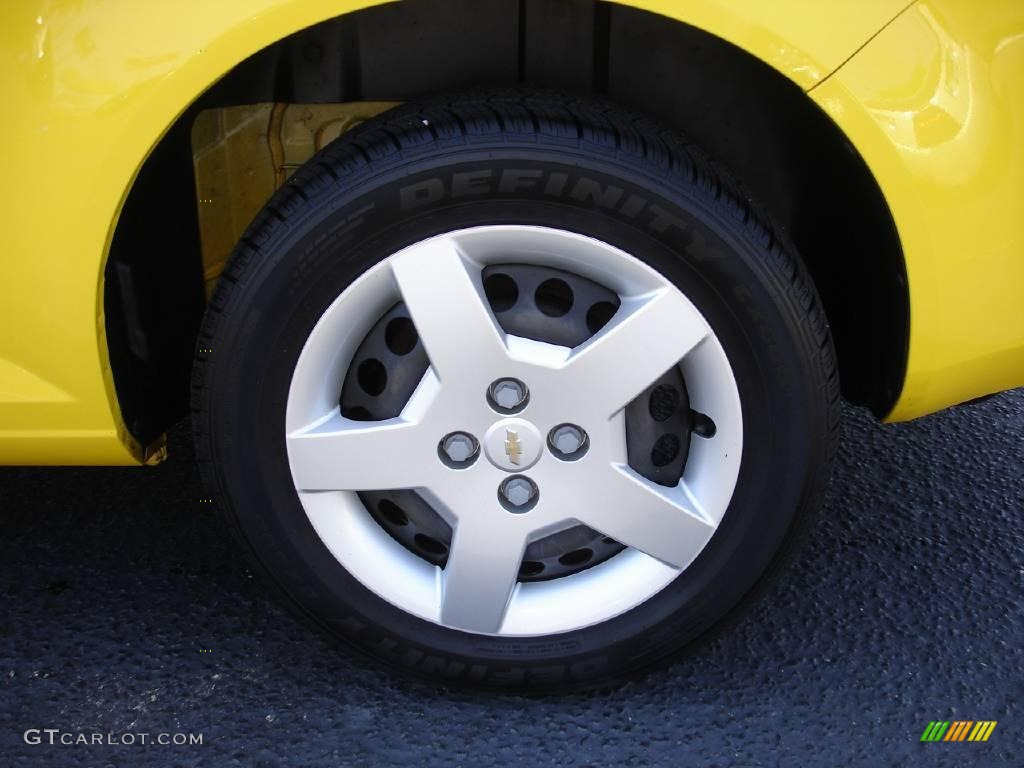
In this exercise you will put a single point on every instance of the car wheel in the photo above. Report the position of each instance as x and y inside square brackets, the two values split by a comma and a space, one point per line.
[515, 390]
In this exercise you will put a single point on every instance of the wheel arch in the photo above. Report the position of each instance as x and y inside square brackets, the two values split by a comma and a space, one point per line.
[797, 163]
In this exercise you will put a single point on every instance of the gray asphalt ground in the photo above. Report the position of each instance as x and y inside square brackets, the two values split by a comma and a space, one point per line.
[125, 607]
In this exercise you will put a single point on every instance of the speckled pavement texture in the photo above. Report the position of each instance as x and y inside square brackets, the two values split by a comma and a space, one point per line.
[125, 607]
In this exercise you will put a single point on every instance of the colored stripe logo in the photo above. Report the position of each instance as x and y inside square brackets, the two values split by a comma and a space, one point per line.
[959, 730]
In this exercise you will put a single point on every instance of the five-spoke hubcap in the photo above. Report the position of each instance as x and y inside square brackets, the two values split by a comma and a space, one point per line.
[511, 439]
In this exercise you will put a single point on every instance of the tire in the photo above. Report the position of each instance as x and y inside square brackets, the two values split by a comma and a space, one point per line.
[476, 167]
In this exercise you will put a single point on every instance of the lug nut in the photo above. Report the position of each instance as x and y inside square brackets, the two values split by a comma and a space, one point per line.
[459, 448]
[518, 494]
[508, 395]
[568, 441]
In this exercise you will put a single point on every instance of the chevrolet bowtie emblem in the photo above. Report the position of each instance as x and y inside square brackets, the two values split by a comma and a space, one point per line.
[513, 448]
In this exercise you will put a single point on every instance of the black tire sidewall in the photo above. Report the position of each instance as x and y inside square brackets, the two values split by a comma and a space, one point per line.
[727, 269]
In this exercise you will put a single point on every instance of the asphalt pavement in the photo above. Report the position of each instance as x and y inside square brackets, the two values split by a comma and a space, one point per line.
[125, 608]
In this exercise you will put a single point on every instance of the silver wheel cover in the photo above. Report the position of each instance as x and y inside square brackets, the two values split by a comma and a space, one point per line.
[664, 529]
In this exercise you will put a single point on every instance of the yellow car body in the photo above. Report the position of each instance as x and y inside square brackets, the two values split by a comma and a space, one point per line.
[930, 95]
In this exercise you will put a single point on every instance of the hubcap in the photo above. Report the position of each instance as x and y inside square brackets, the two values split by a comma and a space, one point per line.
[624, 450]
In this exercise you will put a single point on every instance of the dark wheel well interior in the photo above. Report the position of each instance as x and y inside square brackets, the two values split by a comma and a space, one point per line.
[784, 150]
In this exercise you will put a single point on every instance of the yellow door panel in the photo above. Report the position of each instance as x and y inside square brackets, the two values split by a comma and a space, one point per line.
[935, 105]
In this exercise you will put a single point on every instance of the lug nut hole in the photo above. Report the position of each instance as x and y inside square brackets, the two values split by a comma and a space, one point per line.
[508, 396]
[576, 557]
[531, 568]
[664, 401]
[568, 442]
[429, 544]
[392, 513]
[372, 376]
[665, 450]
[599, 314]
[400, 336]
[458, 450]
[502, 291]
[518, 494]
[553, 297]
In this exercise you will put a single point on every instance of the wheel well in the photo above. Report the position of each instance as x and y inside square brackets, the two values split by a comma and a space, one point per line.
[786, 152]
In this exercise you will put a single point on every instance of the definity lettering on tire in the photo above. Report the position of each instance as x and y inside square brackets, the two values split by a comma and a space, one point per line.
[463, 184]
